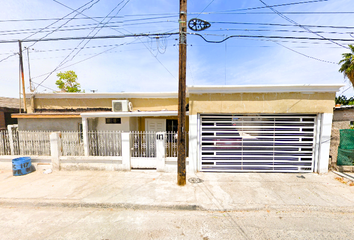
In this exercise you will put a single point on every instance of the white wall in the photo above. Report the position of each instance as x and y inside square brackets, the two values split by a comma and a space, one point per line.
[134, 124]
[193, 143]
[324, 142]
[45, 124]
[123, 126]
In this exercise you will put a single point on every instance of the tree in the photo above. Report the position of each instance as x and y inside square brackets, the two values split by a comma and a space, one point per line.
[67, 82]
[347, 67]
[343, 100]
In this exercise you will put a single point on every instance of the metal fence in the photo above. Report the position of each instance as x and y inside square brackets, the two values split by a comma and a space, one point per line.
[31, 143]
[105, 143]
[143, 144]
[101, 143]
[72, 144]
[4, 143]
[171, 146]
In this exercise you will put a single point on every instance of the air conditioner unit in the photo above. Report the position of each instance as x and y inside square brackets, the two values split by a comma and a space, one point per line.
[121, 106]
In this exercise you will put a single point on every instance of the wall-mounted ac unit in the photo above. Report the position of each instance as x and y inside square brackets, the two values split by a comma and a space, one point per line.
[121, 106]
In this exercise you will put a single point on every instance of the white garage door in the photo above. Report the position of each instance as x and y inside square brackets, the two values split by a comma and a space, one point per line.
[257, 143]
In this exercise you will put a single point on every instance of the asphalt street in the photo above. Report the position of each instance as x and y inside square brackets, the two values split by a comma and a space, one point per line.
[112, 223]
[150, 205]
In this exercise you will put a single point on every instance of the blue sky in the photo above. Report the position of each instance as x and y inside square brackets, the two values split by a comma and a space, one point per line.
[151, 64]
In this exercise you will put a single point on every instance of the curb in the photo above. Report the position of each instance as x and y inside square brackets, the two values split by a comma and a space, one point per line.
[166, 207]
[78, 204]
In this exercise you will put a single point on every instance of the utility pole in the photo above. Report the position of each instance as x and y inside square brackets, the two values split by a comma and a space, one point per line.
[29, 71]
[23, 77]
[181, 175]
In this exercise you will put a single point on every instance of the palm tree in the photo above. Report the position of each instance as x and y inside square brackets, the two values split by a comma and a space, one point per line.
[347, 67]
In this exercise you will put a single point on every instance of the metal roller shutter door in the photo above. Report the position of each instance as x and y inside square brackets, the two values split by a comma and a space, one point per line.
[257, 143]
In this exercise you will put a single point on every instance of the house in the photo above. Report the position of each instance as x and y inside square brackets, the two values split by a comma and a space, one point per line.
[7, 107]
[343, 118]
[270, 128]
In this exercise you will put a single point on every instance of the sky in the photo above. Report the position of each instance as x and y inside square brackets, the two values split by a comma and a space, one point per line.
[269, 45]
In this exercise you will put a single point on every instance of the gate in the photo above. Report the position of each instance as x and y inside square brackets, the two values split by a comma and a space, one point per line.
[257, 143]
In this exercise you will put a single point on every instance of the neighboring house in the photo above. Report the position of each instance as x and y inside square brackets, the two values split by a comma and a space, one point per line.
[343, 118]
[278, 128]
[7, 107]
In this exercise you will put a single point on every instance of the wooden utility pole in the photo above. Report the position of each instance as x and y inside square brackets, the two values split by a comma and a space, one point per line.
[22, 77]
[181, 176]
[29, 71]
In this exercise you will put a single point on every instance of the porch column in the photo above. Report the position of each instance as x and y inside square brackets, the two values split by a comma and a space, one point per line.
[160, 151]
[193, 158]
[55, 150]
[324, 142]
[126, 152]
[85, 135]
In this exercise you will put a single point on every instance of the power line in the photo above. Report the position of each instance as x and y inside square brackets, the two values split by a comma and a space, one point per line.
[89, 39]
[269, 37]
[205, 8]
[52, 24]
[62, 24]
[299, 25]
[277, 5]
[302, 54]
[162, 15]
[153, 14]
[274, 30]
[282, 25]
[287, 13]
[97, 37]
[4, 59]
[88, 58]
[141, 41]
[90, 32]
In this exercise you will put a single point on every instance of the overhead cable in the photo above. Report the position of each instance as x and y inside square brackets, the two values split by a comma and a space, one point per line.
[270, 37]
[143, 44]
[89, 39]
[299, 25]
[283, 25]
[62, 24]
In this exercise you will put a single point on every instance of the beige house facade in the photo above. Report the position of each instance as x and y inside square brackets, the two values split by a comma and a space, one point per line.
[277, 128]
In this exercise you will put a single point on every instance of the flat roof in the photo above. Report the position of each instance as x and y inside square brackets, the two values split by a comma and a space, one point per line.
[45, 115]
[305, 88]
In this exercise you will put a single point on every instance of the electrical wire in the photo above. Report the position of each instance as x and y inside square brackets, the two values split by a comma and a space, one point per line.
[87, 58]
[87, 18]
[269, 37]
[277, 5]
[10, 56]
[143, 43]
[205, 8]
[156, 14]
[270, 40]
[325, 61]
[89, 39]
[63, 62]
[299, 25]
[62, 24]
[54, 23]
[287, 13]
[15, 32]
[281, 25]
[274, 30]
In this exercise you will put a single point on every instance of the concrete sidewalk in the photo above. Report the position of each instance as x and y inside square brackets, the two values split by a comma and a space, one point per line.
[154, 190]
